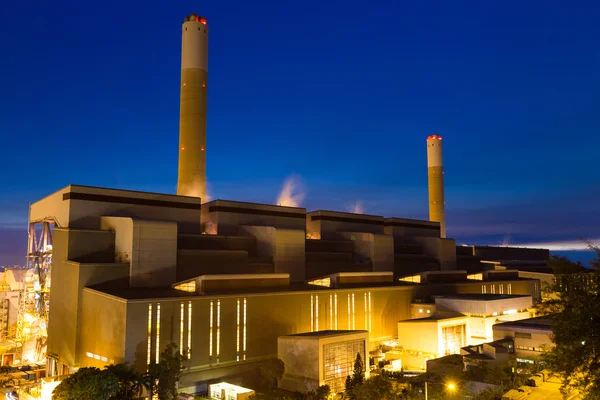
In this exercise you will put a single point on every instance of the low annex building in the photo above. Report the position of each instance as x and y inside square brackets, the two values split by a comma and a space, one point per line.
[321, 358]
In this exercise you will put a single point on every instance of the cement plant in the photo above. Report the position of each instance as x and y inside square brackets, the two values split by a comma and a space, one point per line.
[114, 276]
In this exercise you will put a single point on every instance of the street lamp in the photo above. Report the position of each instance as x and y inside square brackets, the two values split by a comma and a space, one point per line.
[449, 386]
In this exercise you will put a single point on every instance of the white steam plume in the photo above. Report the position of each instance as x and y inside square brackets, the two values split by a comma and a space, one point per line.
[292, 192]
[356, 208]
[565, 245]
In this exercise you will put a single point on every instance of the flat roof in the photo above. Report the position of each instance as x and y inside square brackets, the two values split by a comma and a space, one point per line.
[482, 297]
[325, 333]
[438, 316]
[537, 322]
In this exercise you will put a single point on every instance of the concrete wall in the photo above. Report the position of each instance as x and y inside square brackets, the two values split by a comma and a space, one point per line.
[301, 356]
[420, 336]
[285, 247]
[327, 224]
[103, 324]
[68, 280]
[497, 253]
[149, 247]
[268, 317]
[225, 217]
[80, 207]
[483, 307]
[406, 228]
[377, 249]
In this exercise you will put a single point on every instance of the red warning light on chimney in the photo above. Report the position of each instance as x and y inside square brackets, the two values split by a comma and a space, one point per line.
[432, 137]
[203, 20]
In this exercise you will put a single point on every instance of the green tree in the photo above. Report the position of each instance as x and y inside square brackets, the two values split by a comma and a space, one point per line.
[322, 393]
[349, 386]
[573, 312]
[269, 373]
[378, 387]
[87, 384]
[130, 382]
[358, 373]
[161, 379]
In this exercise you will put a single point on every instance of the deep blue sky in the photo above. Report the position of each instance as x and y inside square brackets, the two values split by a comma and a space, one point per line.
[341, 93]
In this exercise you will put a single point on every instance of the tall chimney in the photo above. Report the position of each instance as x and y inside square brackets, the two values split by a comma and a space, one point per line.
[191, 174]
[435, 173]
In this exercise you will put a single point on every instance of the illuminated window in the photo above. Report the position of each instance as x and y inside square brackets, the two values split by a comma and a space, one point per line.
[186, 286]
[238, 331]
[370, 318]
[501, 288]
[149, 352]
[366, 314]
[335, 310]
[330, 312]
[312, 313]
[483, 289]
[349, 313]
[326, 282]
[181, 320]
[218, 329]
[317, 313]
[411, 279]
[509, 288]
[189, 349]
[493, 289]
[475, 277]
[339, 361]
[244, 348]
[157, 333]
[210, 333]
[353, 320]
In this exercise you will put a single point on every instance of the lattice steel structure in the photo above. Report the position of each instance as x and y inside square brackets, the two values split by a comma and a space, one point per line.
[32, 322]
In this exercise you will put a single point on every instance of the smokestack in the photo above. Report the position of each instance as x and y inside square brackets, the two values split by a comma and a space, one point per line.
[435, 173]
[191, 174]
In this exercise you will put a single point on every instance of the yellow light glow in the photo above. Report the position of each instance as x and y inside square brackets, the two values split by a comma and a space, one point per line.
[157, 333]
[149, 352]
[189, 349]
[451, 386]
[181, 319]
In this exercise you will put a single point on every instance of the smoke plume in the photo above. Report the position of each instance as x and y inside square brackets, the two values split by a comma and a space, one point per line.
[356, 208]
[292, 193]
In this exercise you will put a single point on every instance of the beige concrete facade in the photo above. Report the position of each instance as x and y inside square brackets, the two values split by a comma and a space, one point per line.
[114, 269]
[321, 358]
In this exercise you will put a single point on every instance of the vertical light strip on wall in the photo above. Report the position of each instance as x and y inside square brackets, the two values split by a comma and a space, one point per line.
[317, 313]
[237, 351]
[157, 333]
[312, 314]
[218, 329]
[370, 319]
[366, 315]
[181, 320]
[353, 320]
[244, 348]
[349, 314]
[330, 312]
[189, 349]
[335, 308]
[149, 333]
[210, 331]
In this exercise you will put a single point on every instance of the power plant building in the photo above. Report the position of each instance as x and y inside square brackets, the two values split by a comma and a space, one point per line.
[226, 281]
[133, 271]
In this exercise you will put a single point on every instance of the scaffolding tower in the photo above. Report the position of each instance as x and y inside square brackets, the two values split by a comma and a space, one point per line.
[34, 301]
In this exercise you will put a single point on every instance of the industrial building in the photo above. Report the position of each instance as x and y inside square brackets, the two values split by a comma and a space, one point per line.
[230, 282]
[133, 271]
